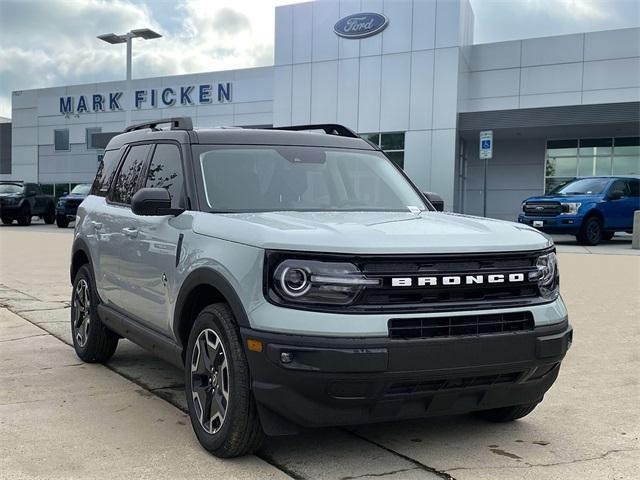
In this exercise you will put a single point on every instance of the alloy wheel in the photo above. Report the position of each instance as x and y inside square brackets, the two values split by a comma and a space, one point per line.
[82, 312]
[593, 231]
[210, 381]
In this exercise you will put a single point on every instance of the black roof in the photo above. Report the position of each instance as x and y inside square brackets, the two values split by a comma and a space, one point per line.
[240, 136]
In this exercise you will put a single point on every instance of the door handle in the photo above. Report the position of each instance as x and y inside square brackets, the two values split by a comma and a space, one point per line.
[96, 225]
[130, 232]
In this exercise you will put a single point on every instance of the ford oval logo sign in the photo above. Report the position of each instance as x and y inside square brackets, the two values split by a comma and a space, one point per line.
[360, 25]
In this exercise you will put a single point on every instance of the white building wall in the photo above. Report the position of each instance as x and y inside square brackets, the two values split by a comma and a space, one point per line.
[404, 79]
[36, 115]
[586, 68]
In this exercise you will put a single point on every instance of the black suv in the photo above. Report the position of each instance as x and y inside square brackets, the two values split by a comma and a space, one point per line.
[22, 200]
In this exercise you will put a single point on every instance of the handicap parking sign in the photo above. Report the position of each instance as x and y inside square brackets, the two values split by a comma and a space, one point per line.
[486, 144]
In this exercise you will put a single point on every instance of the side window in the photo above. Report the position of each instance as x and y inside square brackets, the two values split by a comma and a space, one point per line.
[129, 175]
[106, 171]
[634, 188]
[165, 171]
[619, 185]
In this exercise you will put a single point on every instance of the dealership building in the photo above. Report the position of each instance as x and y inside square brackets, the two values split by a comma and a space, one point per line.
[403, 73]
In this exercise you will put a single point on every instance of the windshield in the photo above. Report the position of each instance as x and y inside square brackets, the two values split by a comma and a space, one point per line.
[277, 178]
[82, 189]
[10, 188]
[583, 186]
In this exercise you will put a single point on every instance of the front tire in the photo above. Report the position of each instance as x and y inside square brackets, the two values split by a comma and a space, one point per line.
[218, 386]
[590, 232]
[507, 414]
[7, 220]
[62, 221]
[24, 219]
[92, 341]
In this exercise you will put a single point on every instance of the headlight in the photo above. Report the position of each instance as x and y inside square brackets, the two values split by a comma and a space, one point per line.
[547, 275]
[315, 282]
[570, 208]
[61, 203]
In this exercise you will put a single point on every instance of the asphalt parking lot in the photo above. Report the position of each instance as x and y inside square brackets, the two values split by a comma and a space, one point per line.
[60, 418]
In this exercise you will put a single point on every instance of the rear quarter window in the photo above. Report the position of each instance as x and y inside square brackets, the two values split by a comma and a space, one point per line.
[106, 171]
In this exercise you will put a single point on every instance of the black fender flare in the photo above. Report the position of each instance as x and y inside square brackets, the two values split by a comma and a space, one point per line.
[79, 245]
[208, 276]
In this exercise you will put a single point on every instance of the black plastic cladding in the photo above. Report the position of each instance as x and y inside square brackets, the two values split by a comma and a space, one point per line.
[529, 298]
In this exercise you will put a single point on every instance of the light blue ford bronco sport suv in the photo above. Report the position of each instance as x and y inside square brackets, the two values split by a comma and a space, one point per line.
[301, 280]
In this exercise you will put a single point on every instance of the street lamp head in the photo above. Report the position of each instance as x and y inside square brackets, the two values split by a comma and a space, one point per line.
[112, 38]
[145, 33]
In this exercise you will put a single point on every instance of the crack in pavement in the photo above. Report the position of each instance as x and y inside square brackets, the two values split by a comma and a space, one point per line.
[440, 473]
[533, 465]
[366, 475]
[22, 338]
[157, 392]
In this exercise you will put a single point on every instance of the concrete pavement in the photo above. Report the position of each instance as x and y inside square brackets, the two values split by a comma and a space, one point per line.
[70, 420]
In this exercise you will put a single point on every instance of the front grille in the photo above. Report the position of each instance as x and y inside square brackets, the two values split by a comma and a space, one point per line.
[408, 388]
[454, 326]
[73, 203]
[414, 294]
[542, 209]
[443, 297]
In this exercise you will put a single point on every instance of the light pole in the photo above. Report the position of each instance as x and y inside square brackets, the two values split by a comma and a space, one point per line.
[127, 38]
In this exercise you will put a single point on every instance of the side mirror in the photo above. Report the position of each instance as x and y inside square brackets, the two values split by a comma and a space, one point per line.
[153, 202]
[435, 200]
[615, 195]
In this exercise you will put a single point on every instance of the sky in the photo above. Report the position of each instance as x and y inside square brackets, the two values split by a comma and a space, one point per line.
[45, 43]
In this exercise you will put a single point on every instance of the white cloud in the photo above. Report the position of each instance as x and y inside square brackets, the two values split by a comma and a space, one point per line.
[52, 42]
[46, 43]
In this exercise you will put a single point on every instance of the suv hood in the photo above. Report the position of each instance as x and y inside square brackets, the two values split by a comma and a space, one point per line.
[371, 232]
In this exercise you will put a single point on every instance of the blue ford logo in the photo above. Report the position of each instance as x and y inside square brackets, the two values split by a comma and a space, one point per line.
[360, 25]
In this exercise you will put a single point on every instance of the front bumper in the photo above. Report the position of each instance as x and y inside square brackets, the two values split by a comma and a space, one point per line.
[10, 209]
[567, 224]
[69, 212]
[349, 381]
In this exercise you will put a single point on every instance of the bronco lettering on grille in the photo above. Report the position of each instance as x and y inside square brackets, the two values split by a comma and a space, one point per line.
[456, 280]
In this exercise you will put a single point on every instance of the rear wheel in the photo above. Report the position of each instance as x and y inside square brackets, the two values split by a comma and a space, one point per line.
[93, 342]
[590, 231]
[7, 220]
[218, 386]
[62, 221]
[24, 218]
[507, 414]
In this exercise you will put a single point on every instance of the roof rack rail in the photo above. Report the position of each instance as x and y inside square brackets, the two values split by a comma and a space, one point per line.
[328, 128]
[177, 123]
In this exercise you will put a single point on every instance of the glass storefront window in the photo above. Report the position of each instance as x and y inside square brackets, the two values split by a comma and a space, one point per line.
[566, 159]
[47, 188]
[585, 166]
[392, 144]
[603, 166]
[392, 141]
[562, 152]
[561, 167]
[626, 165]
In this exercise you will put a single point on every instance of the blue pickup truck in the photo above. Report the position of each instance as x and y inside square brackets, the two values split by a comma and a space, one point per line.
[592, 208]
